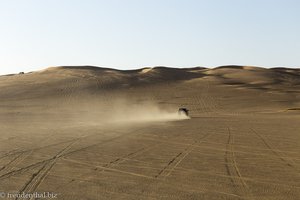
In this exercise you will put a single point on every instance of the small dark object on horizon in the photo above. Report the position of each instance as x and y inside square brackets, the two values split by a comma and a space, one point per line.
[21, 73]
[183, 110]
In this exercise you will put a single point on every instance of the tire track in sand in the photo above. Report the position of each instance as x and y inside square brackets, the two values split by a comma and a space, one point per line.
[177, 159]
[233, 169]
[14, 162]
[38, 177]
[119, 160]
[135, 153]
[130, 156]
[37, 164]
[289, 163]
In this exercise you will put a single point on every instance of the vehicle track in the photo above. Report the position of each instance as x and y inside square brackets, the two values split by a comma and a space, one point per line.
[203, 102]
[17, 151]
[176, 160]
[233, 169]
[31, 166]
[109, 166]
[14, 162]
[122, 134]
[129, 156]
[289, 163]
[11, 152]
[37, 178]
[10, 162]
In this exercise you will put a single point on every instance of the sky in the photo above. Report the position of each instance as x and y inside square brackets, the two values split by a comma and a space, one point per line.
[130, 34]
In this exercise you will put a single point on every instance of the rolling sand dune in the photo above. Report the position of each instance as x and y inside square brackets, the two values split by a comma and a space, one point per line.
[98, 133]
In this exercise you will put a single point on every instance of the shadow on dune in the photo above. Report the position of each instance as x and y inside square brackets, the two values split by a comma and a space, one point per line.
[257, 78]
[79, 79]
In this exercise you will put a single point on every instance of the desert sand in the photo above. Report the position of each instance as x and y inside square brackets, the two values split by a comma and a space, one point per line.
[99, 133]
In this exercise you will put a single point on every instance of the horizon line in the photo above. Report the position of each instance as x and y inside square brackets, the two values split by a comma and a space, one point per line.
[151, 67]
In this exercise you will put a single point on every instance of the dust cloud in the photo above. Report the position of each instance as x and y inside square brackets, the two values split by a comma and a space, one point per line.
[125, 112]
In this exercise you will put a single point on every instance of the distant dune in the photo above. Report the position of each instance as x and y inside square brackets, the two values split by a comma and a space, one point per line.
[105, 77]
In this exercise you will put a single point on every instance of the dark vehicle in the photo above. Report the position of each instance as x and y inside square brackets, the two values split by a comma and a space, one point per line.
[183, 111]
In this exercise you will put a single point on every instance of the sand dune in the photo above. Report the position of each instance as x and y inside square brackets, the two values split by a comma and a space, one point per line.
[97, 133]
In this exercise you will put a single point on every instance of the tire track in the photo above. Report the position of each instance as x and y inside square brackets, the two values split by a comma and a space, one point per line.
[109, 166]
[129, 156]
[233, 170]
[37, 164]
[276, 153]
[10, 162]
[14, 152]
[176, 160]
[14, 162]
[122, 134]
[37, 178]
[139, 152]
[17, 151]
[11, 152]
[203, 102]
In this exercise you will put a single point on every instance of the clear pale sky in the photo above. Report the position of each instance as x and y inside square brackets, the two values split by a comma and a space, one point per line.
[126, 34]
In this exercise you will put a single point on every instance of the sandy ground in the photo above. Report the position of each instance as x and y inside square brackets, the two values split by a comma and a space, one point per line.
[91, 133]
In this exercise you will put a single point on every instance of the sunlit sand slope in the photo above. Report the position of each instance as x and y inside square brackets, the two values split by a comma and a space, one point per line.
[98, 133]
